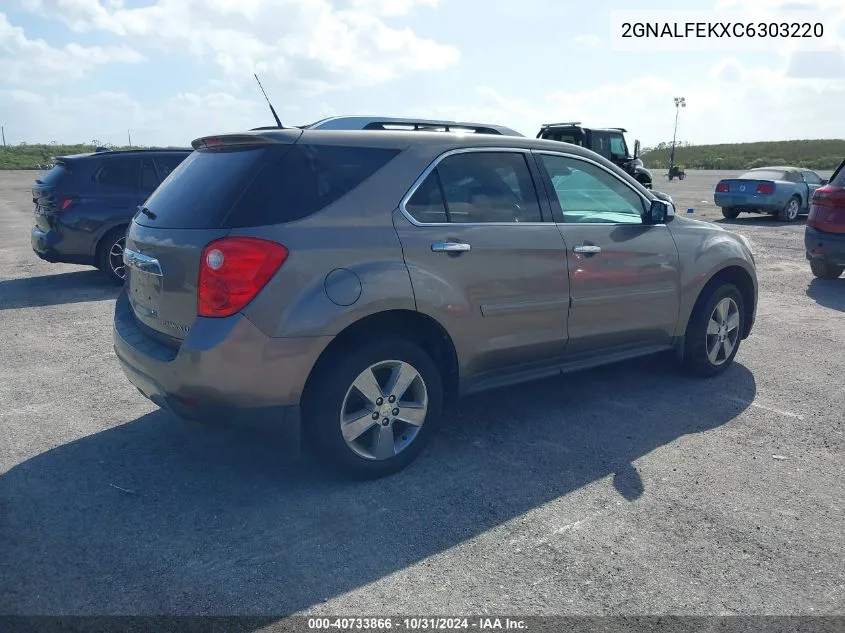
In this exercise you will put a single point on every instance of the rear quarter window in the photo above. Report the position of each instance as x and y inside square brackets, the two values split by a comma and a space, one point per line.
[54, 176]
[305, 180]
[119, 172]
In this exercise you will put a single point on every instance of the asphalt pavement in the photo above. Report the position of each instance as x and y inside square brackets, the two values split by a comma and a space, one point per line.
[632, 489]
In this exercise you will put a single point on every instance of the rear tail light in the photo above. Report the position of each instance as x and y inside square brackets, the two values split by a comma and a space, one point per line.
[723, 187]
[765, 188]
[65, 203]
[233, 271]
[827, 210]
[829, 197]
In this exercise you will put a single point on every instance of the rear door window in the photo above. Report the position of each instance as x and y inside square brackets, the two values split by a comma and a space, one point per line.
[601, 143]
[477, 187]
[149, 177]
[119, 172]
[168, 162]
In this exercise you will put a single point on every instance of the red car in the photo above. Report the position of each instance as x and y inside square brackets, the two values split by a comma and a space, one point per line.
[824, 237]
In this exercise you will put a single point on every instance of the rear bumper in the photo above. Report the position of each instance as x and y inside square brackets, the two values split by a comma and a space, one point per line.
[759, 204]
[225, 371]
[50, 246]
[828, 247]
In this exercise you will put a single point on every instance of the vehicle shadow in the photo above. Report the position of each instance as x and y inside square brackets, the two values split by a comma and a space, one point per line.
[761, 220]
[829, 293]
[156, 516]
[58, 289]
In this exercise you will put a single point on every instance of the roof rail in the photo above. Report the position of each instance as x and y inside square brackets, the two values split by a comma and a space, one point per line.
[561, 124]
[407, 124]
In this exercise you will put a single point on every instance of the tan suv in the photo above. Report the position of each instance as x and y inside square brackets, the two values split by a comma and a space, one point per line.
[350, 281]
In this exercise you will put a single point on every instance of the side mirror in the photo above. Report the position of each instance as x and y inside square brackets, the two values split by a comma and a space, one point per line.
[636, 149]
[660, 212]
[824, 181]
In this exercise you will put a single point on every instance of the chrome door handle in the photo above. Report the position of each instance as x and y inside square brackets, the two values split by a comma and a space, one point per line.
[587, 248]
[450, 247]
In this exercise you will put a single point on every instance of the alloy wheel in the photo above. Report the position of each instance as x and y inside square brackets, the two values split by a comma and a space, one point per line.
[384, 409]
[722, 331]
[116, 259]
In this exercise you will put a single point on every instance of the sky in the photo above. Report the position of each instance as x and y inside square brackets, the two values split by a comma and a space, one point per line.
[170, 71]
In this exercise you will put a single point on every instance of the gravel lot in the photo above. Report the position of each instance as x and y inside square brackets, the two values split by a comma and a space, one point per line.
[625, 490]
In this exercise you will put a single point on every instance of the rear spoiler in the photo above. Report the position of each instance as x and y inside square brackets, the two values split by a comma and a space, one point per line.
[285, 135]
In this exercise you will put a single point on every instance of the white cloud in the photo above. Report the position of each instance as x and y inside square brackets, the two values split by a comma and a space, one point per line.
[37, 117]
[588, 40]
[733, 103]
[25, 60]
[391, 7]
[303, 44]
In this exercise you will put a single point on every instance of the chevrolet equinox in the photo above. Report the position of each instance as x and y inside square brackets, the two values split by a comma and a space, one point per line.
[351, 281]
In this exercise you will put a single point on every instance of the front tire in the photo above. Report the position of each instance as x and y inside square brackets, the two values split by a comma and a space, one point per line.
[110, 255]
[714, 332]
[790, 212]
[825, 270]
[371, 413]
[730, 213]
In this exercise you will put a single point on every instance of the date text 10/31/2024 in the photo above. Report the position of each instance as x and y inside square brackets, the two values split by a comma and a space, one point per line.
[416, 624]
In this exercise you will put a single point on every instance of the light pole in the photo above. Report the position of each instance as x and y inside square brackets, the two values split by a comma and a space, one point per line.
[680, 102]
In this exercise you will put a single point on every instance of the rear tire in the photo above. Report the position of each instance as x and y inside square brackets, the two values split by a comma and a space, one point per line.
[681, 176]
[790, 212]
[337, 392]
[714, 332]
[730, 213]
[825, 270]
[110, 255]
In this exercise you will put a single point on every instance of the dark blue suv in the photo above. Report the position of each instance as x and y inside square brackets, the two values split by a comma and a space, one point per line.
[85, 202]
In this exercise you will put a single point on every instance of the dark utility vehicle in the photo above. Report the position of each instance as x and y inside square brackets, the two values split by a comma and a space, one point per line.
[85, 202]
[824, 236]
[359, 278]
[607, 142]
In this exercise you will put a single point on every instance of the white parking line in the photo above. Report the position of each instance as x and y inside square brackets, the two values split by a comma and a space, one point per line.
[764, 407]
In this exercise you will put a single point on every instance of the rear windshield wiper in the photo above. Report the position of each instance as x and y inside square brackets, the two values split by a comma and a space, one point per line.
[147, 212]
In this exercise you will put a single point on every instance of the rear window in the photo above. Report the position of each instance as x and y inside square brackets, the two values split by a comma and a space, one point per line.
[764, 174]
[203, 187]
[235, 188]
[305, 180]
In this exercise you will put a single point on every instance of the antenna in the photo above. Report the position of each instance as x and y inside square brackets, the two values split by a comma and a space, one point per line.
[275, 116]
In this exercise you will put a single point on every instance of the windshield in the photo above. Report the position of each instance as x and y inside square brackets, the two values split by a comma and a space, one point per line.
[629, 143]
